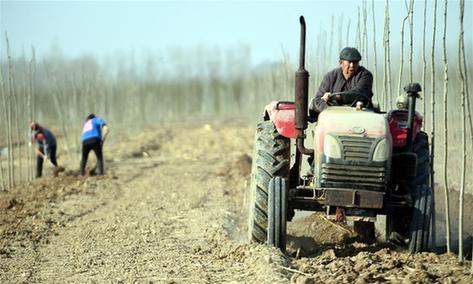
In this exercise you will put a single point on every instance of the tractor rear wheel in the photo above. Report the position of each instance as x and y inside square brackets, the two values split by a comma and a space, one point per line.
[421, 148]
[422, 196]
[420, 224]
[277, 208]
[271, 158]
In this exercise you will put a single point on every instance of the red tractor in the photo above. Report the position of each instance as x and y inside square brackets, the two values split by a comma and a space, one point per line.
[366, 165]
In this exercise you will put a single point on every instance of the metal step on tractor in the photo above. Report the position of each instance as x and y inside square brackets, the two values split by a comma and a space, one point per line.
[367, 167]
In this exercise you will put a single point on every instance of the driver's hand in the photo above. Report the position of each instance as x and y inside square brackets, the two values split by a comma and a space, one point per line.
[326, 96]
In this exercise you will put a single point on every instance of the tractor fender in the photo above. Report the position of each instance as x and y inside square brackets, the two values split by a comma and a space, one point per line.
[397, 120]
[282, 114]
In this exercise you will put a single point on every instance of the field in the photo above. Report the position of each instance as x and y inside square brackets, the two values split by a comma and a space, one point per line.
[171, 209]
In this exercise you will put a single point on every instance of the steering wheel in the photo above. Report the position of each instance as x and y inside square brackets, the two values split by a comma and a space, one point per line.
[350, 98]
[333, 99]
[363, 98]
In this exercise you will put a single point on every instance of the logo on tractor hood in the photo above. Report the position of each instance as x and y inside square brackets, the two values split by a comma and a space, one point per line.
[358, 130]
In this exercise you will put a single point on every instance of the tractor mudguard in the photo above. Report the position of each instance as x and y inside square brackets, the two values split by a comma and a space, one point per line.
[282, 114]
[397, 120]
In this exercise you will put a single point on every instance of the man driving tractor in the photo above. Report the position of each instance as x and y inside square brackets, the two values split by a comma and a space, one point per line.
[350, 76]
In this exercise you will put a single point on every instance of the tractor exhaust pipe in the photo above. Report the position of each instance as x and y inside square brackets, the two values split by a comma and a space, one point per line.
[412, 91]
[301, 95]
[302, 84]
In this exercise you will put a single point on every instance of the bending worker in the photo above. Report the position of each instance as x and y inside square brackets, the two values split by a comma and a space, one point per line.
[94, 132]
[46, 143]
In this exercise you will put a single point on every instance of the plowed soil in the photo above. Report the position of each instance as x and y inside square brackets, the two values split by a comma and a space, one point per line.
[172, 209]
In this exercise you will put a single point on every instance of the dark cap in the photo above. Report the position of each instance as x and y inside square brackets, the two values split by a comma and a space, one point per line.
[350, 54]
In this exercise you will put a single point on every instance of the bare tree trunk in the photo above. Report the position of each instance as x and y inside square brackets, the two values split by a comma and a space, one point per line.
[365, 34]
[465, 72]
[424, 66]
[17, 126]
[75, 115]
[23, 130]
[401, 56]
[33, 104]
[411, 37]
[390, 89]
[325, 53]
[57, 104]
[11, 154]
[374, 48]
[4, 120]
[340, 33]
[348, 32]
[387, 57]
[432, 121]
[461, 52]
[30, 118]
[445, 133]
[332, 27]
[468, 108]
[358, 30]
[2, 175]
[33, 89]
[3, 95]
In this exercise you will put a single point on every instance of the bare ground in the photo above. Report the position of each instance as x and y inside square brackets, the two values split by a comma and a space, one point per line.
[171, 209]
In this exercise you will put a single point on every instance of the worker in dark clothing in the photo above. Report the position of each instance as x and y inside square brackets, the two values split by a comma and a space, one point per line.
[350, 76]
[94, 132]
[46, 146]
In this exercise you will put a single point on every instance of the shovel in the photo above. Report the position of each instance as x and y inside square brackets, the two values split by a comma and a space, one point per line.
[56, 169]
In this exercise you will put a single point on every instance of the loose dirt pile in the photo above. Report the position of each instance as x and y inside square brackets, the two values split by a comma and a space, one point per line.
[171, 209]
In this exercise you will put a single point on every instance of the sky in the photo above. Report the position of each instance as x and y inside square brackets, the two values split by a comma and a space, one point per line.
[103, 28]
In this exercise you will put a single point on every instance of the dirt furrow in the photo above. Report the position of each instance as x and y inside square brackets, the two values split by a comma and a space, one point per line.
[171, 209]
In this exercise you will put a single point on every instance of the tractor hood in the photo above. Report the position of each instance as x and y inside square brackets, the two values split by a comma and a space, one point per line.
[352, 122]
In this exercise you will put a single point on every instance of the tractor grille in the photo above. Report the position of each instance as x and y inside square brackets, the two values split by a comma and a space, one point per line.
[356, 148]
[353, 176]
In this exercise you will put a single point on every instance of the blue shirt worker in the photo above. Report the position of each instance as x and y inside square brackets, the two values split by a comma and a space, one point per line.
[94, 132]
[46, 143]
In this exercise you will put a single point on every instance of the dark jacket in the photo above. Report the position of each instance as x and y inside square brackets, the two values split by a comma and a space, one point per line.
[47, 142]
[334, 81]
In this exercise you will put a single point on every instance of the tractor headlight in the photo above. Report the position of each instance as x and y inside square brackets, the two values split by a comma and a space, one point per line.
[332, 148]
[381, 152]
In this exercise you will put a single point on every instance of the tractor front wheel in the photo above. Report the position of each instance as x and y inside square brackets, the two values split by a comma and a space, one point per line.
[277, 208]
[271, 158]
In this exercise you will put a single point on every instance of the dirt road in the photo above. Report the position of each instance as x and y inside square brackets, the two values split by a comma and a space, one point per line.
[171, 209]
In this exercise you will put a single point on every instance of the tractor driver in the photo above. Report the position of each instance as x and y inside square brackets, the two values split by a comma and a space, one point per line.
[350, 76]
